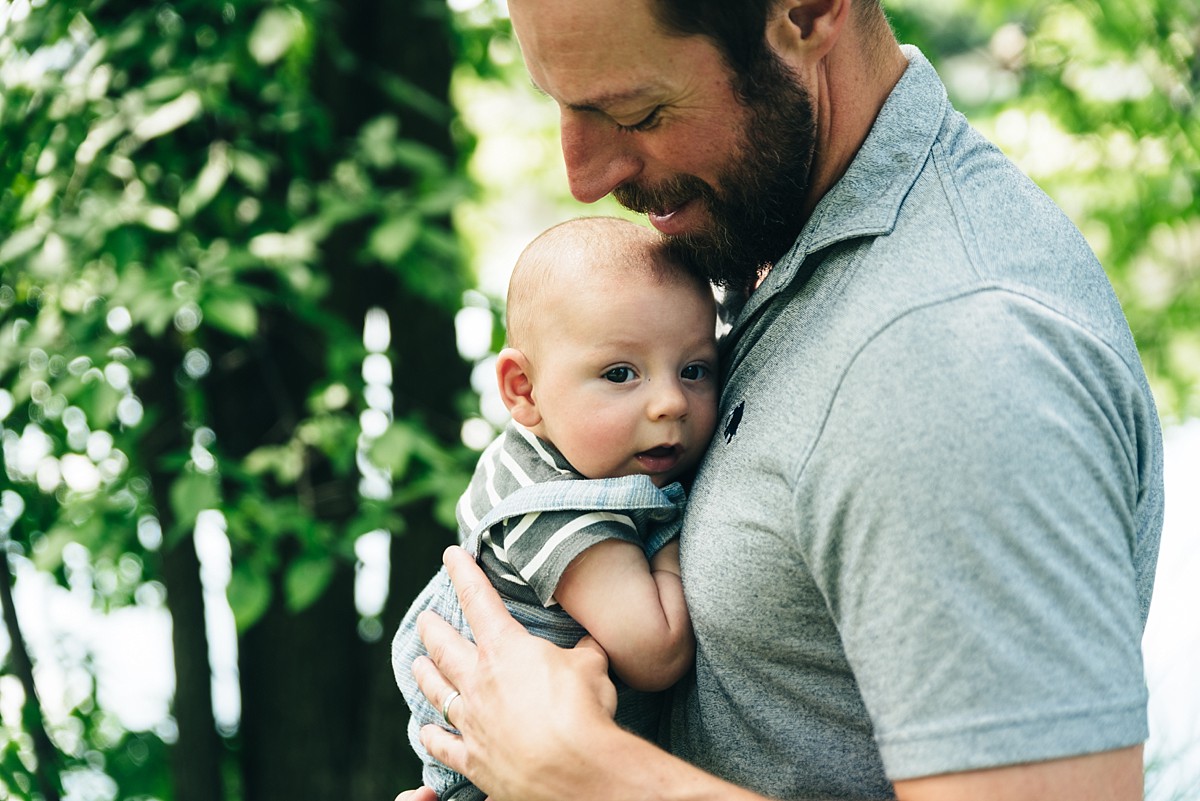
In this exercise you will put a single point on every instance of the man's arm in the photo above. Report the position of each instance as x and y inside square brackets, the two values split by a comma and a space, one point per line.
[536, 723]
[1108, 776]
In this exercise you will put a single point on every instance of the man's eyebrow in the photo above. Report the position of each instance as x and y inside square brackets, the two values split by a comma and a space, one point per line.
[601, 102]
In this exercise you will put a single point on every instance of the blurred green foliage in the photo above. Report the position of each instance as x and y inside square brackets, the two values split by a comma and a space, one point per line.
[174, 191]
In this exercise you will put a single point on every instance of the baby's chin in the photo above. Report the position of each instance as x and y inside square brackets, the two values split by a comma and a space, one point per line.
[661, 480]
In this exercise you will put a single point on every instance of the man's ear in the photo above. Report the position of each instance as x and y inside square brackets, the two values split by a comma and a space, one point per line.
[513, 374]
[807, 29]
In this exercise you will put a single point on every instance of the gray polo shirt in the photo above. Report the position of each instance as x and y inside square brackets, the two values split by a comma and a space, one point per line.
[924, 538]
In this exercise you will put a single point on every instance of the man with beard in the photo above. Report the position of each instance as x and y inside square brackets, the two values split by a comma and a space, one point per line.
[919, 553]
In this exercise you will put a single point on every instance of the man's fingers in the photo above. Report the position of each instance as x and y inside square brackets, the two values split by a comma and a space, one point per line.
[446, 646]
[451, 662]
[588, 644]
[481, 604]
[445, 747]
[589, 648]
[422, 794]
[438, 689]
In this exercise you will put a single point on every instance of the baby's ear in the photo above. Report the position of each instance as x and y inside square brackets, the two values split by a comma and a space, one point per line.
[516, 386]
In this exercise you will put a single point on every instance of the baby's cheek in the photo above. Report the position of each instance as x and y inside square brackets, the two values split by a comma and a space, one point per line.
[605, 441]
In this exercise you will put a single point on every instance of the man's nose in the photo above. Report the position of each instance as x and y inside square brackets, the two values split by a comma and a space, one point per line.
[597, 158]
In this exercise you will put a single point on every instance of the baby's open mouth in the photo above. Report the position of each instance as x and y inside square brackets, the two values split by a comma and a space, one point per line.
[660, 459]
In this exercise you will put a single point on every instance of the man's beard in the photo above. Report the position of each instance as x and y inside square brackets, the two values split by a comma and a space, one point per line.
[757, 214]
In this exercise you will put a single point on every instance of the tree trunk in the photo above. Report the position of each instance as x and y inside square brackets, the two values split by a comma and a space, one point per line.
[197, 753]
[301, 691]
[322, 718]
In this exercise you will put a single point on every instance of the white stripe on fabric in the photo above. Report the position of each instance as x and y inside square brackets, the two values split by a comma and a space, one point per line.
[566, 531]
[542, 453]
[489, 469]
[466, 512]
[520, 528]
[517, 471]
[498, 548]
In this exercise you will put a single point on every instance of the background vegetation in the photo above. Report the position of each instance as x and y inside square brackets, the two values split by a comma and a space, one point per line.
[237, 238]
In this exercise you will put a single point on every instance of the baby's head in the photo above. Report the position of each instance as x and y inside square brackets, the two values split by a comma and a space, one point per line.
[612, 354]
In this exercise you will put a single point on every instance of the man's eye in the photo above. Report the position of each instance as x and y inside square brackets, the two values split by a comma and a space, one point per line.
[645, 124]
[619, 375]
[694, 372]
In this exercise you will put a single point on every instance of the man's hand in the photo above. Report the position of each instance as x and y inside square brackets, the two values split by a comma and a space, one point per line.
[423, 794]
[524, 703]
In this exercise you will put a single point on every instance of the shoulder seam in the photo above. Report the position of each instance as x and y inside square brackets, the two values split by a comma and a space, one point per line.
[802, 459]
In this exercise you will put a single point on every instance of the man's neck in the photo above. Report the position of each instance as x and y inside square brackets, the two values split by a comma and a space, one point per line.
[857, 80]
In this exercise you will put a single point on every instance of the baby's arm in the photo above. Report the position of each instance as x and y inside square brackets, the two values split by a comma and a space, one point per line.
[634, 610]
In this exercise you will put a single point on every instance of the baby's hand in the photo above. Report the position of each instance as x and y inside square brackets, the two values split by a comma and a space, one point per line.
[667, 559]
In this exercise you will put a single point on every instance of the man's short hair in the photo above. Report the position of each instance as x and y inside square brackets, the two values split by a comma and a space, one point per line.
[738, 29]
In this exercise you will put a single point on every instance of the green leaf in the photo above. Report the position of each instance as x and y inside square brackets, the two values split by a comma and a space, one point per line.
[168, 117]
[249, 595]
[274, 34]
[233, 314]
[377, 139]
[334, 435]
[442, 199]
[373, 516]
[419, 158]
[394, 448]
[305, 580]
[450, 489]
[251, 170]
[192, 493]
[394, 237]
[285, 462]
[48, 556]
[409, 94]
[209, 182]
[21, 243]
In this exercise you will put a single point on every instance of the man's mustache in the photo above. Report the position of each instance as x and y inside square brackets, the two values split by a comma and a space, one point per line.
[664, 197]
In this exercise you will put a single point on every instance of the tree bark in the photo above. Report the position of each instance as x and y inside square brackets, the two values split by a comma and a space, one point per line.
[196, 755]
[46, 772]
[300, 698]
[322, 718]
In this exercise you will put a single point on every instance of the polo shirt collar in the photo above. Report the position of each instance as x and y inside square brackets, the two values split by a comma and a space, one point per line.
[867, 199]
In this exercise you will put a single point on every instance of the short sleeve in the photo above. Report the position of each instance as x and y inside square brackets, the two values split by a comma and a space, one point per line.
[980, 544]
[541, 545]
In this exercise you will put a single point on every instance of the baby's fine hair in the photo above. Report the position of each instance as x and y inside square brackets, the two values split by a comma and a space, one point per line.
[600, 244]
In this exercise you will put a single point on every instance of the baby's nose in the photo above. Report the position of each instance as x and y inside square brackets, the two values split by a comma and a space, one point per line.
[667, 401]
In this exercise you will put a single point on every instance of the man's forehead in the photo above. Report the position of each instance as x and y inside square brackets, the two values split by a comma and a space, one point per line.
[589, 54]
[605, 97]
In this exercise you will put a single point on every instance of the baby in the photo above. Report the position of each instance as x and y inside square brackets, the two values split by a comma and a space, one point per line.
[610, 377]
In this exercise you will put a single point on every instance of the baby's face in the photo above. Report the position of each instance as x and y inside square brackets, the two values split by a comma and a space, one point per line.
[627, 381]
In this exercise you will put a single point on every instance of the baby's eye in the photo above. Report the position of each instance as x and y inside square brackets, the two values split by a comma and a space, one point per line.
[619, 375]
[695, 372]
